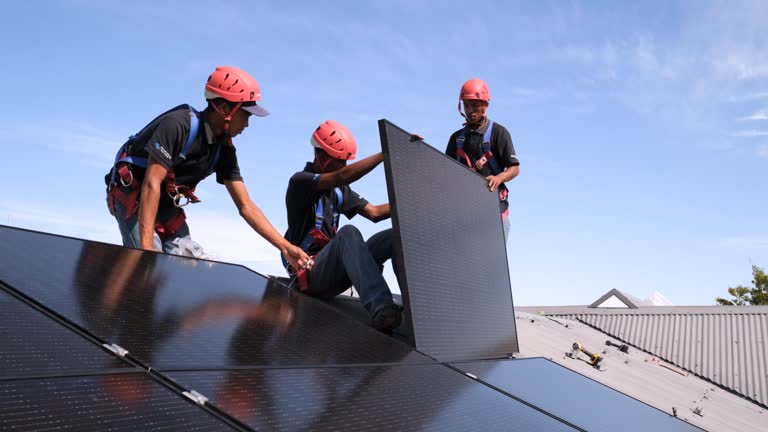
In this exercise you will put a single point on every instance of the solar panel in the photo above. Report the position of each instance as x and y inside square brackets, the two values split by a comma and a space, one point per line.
[449, 236]
[573, 397]
[115, 402]
[34, 345]
[371, 398]
[175, 313]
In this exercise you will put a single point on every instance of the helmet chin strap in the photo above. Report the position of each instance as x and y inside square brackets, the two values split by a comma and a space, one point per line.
[227, 117]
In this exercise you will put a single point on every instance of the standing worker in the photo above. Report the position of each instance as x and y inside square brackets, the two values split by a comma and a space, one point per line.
[156, 171]
[484, 145]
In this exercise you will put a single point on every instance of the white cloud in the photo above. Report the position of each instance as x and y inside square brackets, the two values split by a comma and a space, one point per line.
[758, 115]
[750, 133]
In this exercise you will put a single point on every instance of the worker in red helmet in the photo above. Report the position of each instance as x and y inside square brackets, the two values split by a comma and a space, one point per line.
[315, 199]
[156, 171]
[484, 146]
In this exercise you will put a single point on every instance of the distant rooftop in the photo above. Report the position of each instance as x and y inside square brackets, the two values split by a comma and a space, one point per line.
[726, 345]
[638, 374]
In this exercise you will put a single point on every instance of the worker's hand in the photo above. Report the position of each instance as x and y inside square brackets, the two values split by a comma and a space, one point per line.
[416, 137]
[297, 258]
[151, 248]
[493, 182]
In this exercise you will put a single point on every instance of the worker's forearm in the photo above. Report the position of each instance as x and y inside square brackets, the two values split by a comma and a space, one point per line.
[150, 197]
[509, 173]
[350, 173]
[256, 219]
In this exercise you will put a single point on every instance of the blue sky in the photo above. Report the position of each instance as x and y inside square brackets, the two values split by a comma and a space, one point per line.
[642, 129]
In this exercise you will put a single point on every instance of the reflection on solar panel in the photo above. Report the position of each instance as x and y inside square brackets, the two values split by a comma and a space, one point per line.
[572, 397]
[455, 274]
[117, 402]
[175, 312]
[383, 398]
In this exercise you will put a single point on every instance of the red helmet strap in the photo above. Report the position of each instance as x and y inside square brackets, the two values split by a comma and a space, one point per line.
[227, 117]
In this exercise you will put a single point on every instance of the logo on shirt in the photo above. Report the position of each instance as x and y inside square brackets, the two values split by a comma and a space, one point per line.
[162, 150]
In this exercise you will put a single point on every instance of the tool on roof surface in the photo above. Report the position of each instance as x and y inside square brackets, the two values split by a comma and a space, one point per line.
[657, 361]
[623, 347]
[594, 359]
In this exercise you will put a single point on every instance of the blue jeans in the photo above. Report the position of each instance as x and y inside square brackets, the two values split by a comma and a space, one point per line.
[350, 260]
[129, 229]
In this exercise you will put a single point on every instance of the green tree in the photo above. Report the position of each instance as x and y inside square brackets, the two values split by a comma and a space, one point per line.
[757, 294]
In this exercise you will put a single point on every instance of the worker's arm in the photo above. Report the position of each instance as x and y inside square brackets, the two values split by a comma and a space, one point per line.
[252, 214]
[502, 177]
[375, 213]
[149, 201]
[349, 174]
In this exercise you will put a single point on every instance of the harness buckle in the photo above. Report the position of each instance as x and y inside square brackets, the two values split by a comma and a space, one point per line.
[177, 196]
[130, 182]
[481, 163]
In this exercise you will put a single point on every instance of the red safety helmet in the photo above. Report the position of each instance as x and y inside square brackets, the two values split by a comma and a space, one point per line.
[474, 89]
[335, 139]
[237, 86]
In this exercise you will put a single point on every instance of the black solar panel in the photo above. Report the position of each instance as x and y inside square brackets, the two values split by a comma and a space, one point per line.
[385, 398]
[117, 402]
[448, 231]
[176, 313]
[34, 345]
[573, 397]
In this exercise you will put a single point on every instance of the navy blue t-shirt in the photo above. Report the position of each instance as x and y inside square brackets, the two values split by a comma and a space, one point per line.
[301, 198]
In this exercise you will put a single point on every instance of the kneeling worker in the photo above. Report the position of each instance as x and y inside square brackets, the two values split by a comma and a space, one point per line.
[314, 200]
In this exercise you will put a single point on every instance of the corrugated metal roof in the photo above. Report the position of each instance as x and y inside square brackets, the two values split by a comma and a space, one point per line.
[727, 345]
[636, 374]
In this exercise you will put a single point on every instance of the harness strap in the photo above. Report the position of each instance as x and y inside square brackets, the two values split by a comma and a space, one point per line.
[316, 238]
[128, 199]
[487, 155]
[168, 228]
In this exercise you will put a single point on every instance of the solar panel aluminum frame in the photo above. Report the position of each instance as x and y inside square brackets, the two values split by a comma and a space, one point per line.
[493, 229]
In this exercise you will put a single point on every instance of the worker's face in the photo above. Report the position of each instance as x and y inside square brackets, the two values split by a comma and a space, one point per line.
[327, 164]
[474, 109]
[239, 122]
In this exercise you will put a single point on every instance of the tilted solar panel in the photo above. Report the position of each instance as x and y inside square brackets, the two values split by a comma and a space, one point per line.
[449, 236]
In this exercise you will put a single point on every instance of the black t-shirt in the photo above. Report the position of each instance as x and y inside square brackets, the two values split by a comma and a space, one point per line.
[163, 139]
[501, 147]
[300, 200]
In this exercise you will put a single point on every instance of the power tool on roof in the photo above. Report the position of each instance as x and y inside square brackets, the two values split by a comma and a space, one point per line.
[623, 347]
[594, 359]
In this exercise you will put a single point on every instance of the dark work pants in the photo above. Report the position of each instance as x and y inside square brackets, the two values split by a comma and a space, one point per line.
[350, 260]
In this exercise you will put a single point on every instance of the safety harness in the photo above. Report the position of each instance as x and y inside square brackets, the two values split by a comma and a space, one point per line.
[181, 195]
[316, 238]
[486, 157]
